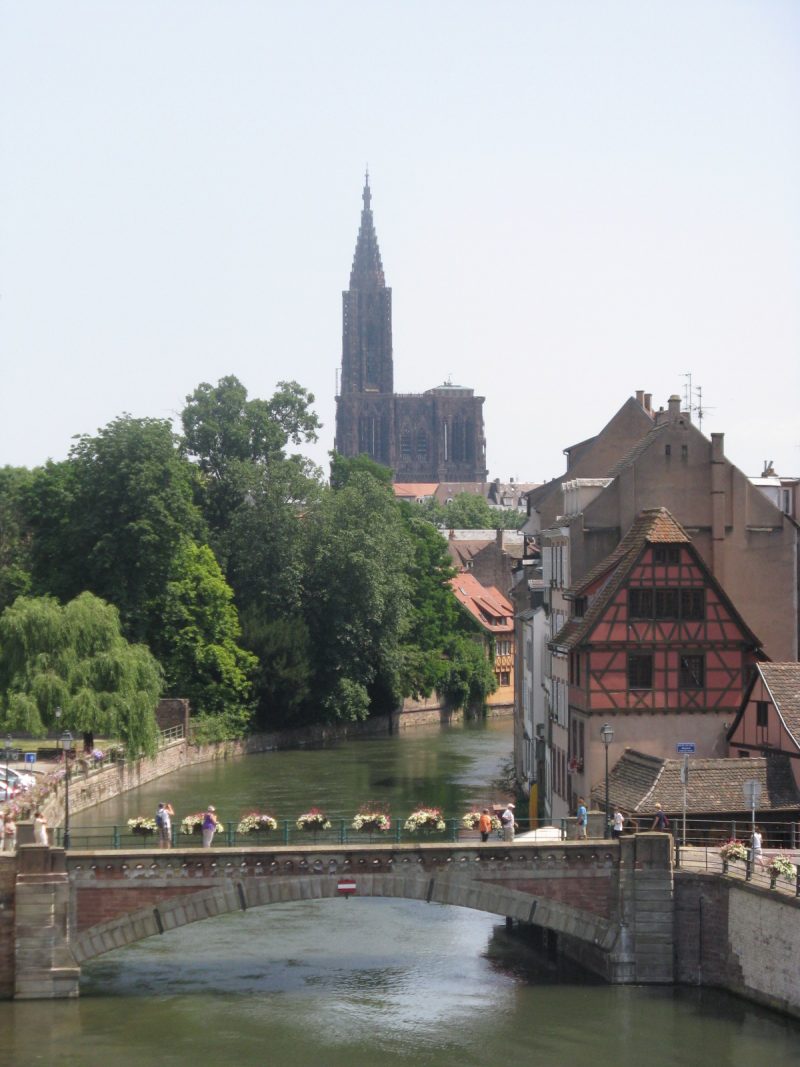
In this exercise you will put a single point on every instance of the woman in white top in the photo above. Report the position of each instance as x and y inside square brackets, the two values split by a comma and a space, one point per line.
[39, 829]
[756, 847]
[619, 822]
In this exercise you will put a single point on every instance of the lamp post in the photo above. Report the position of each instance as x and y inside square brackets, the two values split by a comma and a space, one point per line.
[66, 744]
[8, 757]
[606, 736]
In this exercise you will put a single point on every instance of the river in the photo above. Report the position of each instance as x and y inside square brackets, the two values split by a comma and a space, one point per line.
[352, 983]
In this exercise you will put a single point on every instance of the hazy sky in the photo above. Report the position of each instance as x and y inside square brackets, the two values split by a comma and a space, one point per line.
[574, 200]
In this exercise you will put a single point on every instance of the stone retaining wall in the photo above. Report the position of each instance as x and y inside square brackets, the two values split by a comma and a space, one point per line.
[738, 937]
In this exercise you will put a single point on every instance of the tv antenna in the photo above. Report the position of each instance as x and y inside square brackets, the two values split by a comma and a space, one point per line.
[693, 400]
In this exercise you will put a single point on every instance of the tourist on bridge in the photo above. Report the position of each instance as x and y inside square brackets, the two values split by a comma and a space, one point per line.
[583, 818]
[507, 820]
[755, 846]
[485, 824]
[618, 823]
[39, 829]
[210, 825]
[660, 822]
[164, 824]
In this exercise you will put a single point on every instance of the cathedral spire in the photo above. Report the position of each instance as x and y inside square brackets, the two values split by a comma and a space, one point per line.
[367, 271]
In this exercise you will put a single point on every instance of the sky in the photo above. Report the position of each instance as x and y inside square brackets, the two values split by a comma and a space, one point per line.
[573, 200]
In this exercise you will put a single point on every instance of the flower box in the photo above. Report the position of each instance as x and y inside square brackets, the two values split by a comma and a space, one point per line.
[142, 825]
[472, 818]
[733, 850]
[372, 822]
[781, 866]
[193, 824]
[425, 820]
[313, 821]
[256, 822]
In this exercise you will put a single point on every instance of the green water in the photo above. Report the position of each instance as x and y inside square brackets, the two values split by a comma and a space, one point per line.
[361, 982]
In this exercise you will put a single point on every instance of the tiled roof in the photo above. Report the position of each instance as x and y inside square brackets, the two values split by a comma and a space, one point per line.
[638, 782]
[783, 682]
[415, 489]
[654, 526]
[484, 602]
[638, 449]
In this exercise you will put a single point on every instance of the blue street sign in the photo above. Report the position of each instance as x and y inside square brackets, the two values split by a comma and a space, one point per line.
[686, 747]
[30, 757]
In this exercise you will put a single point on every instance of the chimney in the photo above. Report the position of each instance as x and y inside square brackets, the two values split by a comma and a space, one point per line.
[640, 396]
[648, 403]
[674, 403]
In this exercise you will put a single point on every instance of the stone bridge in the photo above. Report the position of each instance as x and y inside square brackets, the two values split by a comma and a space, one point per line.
[608, 904]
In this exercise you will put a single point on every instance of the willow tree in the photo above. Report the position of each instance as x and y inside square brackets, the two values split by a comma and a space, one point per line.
[74, 657]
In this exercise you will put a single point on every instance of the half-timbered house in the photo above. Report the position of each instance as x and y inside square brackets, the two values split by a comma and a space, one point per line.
[769, 718]
[655, 648]
[494, 615]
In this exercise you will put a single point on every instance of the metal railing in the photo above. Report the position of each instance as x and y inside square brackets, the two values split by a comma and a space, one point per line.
[172, 733]
[757, 870]
[120, 836]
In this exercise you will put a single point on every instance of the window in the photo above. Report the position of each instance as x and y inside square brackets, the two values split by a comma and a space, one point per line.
[693, 604]
[762, 712]
[504, 678]
[405, 443]
[640, 670]
[575, 668]
[503, 648]
[684, 451]
[667, 554]
[422, 444]
[579, 608]
[666, 602]
[640, 603]
[692, 671]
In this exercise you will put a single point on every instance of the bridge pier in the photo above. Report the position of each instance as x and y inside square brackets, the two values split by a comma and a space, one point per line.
[44, 966]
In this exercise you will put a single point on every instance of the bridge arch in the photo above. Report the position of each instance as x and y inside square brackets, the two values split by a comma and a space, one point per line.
[239, 894]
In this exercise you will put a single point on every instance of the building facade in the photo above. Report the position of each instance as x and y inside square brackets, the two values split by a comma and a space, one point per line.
[434, 436]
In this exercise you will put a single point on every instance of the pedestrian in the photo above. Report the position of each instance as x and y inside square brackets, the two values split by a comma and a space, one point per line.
[755, 847]
[164, 824]
[660, 822]
[39, 829]
[507, 822]
[209, 825]
[618, 823]
[485, 824]
[583, 818]
[9, 833]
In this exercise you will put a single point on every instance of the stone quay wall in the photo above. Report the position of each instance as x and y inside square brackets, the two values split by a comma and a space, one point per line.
[738, 937]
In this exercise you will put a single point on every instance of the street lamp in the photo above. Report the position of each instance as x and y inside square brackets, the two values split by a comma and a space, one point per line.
[66, 744]
[606, 736]
[8, 757]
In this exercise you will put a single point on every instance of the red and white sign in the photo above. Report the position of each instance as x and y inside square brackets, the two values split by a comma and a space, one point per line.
[346, 886]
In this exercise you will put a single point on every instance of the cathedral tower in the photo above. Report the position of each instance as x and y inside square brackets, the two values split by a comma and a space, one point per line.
[430, 437]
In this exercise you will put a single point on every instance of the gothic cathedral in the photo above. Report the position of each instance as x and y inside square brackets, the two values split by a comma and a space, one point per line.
[435, 436]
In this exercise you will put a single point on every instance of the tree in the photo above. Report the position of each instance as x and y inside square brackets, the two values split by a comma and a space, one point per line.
[110, 519]
[15, 578]
[358, 554]
[198, 641]
[282, 678]
[75, 657]
[470, 511]
[344, 467]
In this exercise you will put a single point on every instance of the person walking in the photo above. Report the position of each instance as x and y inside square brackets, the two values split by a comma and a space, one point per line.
[9, 834]
[755, 847]
[210, 825]
[583, 818]
[507, 822]
[485, 824]
[660, 822]
[617, 824]
[164, 824]
[39, 829]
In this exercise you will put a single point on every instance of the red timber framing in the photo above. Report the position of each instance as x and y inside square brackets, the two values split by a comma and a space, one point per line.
[659, 633]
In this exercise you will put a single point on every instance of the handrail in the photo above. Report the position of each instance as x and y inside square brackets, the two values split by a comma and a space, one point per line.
[693, 859]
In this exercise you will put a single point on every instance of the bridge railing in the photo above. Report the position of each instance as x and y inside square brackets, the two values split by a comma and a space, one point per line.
[759, 869]
[120, 836]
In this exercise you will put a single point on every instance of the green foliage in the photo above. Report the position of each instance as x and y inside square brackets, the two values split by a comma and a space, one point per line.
[75, 657]
[467, 677]
[357, 596]
[470, 511]
[197, 640]
[111, 517]
[343, 468]
[15, 576]
[281, 681]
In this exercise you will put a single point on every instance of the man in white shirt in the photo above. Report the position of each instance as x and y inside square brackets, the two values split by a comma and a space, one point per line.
[507, 819]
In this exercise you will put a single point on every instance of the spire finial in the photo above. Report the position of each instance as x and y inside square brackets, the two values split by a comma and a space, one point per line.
[367, 193]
